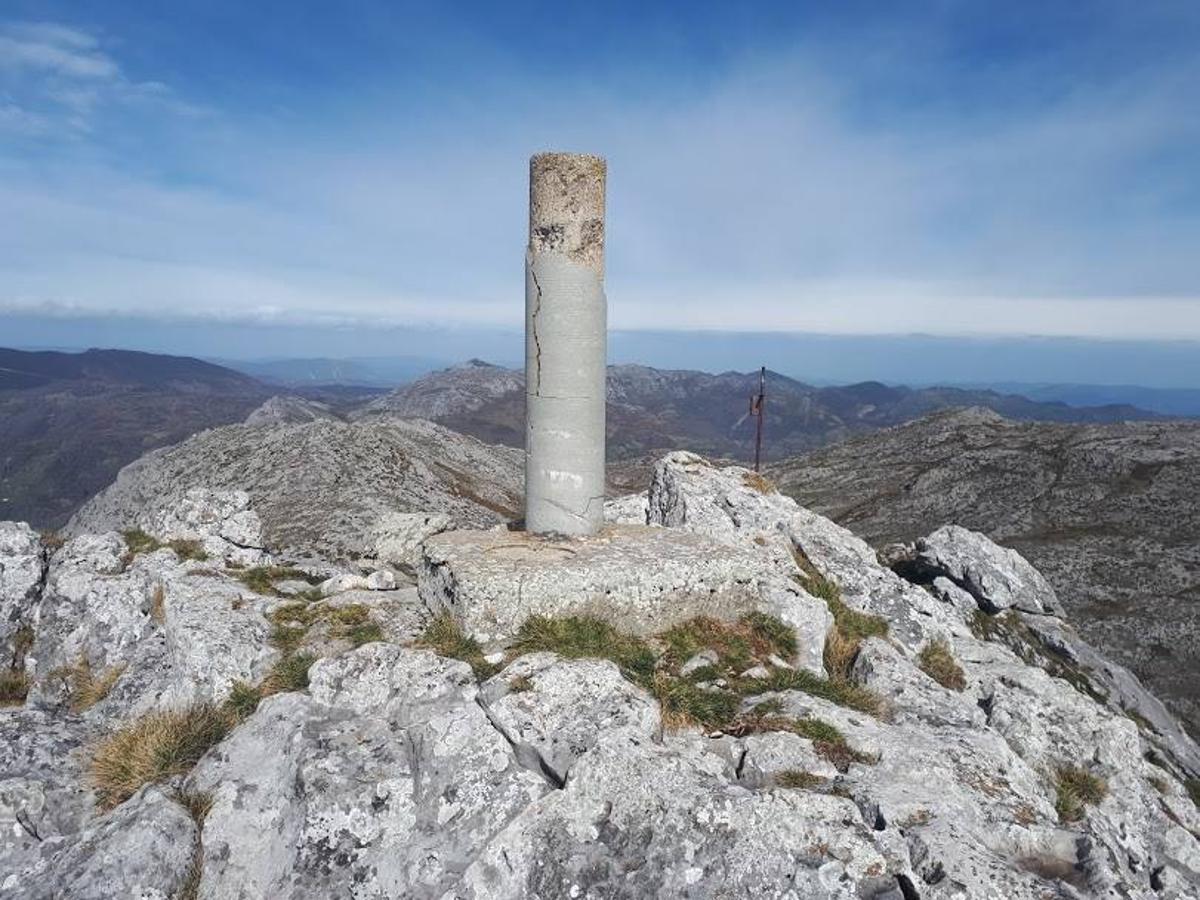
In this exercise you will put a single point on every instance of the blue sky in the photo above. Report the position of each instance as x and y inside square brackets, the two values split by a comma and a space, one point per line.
[949, 168]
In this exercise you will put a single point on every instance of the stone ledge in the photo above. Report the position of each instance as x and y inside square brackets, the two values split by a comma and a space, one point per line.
[641, 578]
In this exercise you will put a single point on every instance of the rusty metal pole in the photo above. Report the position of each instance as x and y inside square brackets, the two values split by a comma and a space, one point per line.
[756, 408]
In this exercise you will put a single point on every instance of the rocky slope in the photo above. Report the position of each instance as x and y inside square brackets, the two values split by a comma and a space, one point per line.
[202, 722]
[1108, 512]
[652, 409]
[321, 487]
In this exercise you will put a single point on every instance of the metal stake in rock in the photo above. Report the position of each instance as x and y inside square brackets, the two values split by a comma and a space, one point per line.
[566, 323]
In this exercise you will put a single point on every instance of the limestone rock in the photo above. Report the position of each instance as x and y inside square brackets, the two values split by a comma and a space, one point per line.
[44, 792]
[630, 509]
[143, 849]
[638, 819]
[92, 612]
[997, 577]
[398, 536]
[561, 708]
[320, 487]
[765, 757]
[22, 565]
[281, 410]
[735, 505]
[221, 520]
[398, 774]
[385, 781]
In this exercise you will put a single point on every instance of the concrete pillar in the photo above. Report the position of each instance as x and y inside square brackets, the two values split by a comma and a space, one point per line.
[566, 323]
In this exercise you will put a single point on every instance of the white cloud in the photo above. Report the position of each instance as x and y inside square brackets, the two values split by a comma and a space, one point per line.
[55, 49]
[762, 203]
[56, 81]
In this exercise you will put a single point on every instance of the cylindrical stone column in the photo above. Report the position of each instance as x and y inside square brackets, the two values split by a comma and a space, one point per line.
[566, 324]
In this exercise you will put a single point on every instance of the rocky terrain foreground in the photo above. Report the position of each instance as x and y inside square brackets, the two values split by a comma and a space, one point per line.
[1107, 512]
[195, 713]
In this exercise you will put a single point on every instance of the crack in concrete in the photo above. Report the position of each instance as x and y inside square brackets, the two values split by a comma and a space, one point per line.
[583, 516]
[537, 343]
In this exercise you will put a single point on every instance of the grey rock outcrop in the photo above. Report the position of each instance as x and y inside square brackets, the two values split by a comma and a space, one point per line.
[320, 488]
[1106, 513]
[22, 566]
[999, 578]
[280, 410]
[144, 850]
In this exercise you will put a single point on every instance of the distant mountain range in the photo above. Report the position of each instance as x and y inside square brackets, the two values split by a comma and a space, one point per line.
[69, 421]
[367, 371]
[1169, 401]
[652, 409]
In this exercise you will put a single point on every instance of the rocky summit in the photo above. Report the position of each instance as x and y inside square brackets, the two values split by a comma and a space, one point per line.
[724, 694]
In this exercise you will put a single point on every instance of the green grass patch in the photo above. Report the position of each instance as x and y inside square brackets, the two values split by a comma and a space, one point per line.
[261, 579]
[188, 550]
[937, 661]
[288, 638]
[1192, 785]
[827, 740]
[138, 541]
[1076, 788]
[684, 703]
[445, 637]
[797, 778]
[366, 633]
[288, 674]
[576, 637]
[243, 700]
[835, 690]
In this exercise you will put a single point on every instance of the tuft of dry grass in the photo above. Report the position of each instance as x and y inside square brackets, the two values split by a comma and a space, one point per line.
[198, 805]
[86, 686]
[14, 685]
[1076, 788]
[52, 540]
[519, 684]
[158, 605]
[850, 626]
[153, 747]
[758, 482]
[937, 661]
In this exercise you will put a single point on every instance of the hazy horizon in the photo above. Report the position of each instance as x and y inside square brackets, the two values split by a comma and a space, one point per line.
[912, 359]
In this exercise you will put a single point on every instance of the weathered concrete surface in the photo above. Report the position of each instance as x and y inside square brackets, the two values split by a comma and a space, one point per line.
[566, 324]
[645, 578]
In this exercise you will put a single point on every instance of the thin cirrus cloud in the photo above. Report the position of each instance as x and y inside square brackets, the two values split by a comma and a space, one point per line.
[769, 196]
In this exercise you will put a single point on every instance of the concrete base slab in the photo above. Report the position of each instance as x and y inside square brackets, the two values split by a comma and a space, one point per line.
[643, 579]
